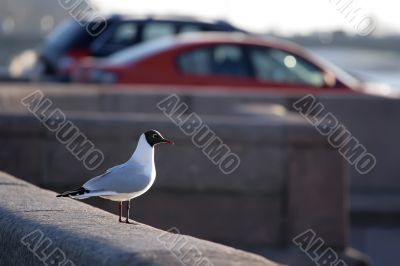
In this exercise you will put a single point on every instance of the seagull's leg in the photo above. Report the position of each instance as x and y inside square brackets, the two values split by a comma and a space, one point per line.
[120, 211]
[128, 206]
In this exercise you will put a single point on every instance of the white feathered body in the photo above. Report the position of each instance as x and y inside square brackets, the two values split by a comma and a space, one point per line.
[126, 181]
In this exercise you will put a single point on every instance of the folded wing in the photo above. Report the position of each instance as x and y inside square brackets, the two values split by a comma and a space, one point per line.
[126, 178]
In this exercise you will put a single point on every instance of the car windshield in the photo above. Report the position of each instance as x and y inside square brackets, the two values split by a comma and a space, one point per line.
[348, 79]
[68, 35]
[280, 66]
[139, 51]
[65, 33]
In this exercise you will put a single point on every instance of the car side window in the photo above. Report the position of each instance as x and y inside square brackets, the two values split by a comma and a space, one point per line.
[276, 65]
[196, 62]
[154, 30]
[190, 28]
[219, 60]
[124, 34]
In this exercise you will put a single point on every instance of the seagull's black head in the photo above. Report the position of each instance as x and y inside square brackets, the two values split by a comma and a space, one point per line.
[154, 137]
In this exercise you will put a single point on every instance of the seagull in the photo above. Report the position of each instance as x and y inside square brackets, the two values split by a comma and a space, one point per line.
[125, 181]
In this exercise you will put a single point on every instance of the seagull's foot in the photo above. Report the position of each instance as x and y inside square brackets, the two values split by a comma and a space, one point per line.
[129, 222]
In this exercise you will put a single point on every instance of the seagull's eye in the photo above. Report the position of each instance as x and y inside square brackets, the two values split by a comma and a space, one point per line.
[155, 136]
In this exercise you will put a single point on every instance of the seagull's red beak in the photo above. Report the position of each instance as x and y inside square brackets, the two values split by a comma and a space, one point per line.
[168, 141]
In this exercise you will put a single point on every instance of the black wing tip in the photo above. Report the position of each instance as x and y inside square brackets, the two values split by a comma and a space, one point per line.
[74, 192]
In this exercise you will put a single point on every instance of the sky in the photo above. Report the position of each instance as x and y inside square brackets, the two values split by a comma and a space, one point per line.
[281, 16]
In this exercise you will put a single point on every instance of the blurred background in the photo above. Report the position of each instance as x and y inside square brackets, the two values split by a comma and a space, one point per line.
[367, 31]
[240, 65]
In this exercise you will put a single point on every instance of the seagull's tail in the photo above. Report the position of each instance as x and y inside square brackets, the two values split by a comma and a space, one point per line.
[83, 193]
[78, 193]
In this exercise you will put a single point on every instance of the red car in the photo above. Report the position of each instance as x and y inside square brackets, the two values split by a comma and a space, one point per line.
[217, 59]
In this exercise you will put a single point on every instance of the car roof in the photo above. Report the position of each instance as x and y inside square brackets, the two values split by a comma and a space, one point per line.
[171, 18]
[238, 38]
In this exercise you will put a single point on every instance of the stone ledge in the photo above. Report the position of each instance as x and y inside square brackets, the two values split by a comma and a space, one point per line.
[90, 236]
